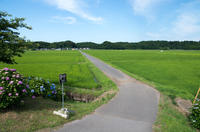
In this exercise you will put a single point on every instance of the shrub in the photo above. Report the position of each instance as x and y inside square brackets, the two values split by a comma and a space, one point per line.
[40, 87]
[12, 88]
[195, 115]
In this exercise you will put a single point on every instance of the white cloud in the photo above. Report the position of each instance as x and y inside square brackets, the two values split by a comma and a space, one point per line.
[75, 7]
[140, 6]
[65, 20]
[144, 7]
[187, 24]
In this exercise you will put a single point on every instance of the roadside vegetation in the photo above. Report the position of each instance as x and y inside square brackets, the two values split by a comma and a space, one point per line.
[84, 79]
[173, 73]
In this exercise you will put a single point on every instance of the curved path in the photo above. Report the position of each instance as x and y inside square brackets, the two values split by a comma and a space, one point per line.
[132, 110]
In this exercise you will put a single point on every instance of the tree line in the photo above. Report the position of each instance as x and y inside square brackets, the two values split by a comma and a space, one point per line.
[159, 44]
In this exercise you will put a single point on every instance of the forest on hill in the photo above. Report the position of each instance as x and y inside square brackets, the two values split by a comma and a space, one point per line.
[163, 45]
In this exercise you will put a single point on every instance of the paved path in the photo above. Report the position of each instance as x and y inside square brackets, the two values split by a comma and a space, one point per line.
[132, 110]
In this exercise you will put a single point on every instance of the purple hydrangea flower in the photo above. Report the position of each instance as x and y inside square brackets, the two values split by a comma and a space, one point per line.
[33, 97]
[6, 69]
[24, 91]
[16, 94]
[1, 88]
[20, 82]
[7, 78]
[27, 86]
[13, 70]
[10, 94]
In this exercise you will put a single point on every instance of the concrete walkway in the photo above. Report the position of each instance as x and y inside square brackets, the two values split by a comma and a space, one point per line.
[132, 110]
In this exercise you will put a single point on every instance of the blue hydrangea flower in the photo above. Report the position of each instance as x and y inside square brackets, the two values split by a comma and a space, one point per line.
[32, 91]
[41, 87]
[49, 95]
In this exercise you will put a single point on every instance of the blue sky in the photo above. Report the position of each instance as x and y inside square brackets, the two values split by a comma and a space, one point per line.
[111, 20]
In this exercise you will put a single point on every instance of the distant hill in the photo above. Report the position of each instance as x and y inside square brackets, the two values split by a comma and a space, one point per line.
[164, 45]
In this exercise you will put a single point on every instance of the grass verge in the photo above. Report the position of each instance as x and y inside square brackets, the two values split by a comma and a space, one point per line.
[169, 119]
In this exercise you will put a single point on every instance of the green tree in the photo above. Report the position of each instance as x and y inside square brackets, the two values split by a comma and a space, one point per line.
[11, 44]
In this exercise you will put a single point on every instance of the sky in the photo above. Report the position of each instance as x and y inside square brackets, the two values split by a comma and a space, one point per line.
[107, 20]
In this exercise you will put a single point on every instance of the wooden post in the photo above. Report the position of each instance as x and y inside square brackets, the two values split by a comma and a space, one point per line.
[196, 96]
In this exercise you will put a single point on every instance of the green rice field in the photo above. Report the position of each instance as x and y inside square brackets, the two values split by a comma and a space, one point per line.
[175, 73]
[49, 64]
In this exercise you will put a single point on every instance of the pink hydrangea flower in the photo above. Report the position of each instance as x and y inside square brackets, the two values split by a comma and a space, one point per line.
[7, 78]
[13, 70]
[13, 75]
[1, 93]
[6, 73]
[10, 94]
[17, 76]
[1, 88]
[16, 94]
[11, 82]
[20, 82]
[2, 78]
[6, 69]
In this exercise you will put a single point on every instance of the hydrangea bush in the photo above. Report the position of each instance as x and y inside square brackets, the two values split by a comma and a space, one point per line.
[12, 87]
[195, 115]
[40, 87]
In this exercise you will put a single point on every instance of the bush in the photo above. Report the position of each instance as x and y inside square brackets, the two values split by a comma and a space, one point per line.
[12, 88]
[195, 115]
[40, 87]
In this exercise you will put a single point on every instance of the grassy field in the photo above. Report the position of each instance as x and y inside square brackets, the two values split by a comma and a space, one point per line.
[174, 73]
[49, 64]
[83, 77]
